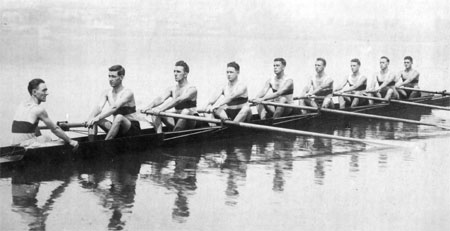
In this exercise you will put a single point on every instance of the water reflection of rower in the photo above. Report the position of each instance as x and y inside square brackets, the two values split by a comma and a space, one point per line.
[235, 164]
[182, 180]
[279, 151]
[25, 185]
[115, 185]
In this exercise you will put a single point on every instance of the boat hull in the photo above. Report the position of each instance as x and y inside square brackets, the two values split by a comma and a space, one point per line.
[149, 139]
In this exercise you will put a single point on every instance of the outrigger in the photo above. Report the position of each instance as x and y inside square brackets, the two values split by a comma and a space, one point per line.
[225, 129]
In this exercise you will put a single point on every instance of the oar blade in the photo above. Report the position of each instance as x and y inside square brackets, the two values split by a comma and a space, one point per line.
[13, 158]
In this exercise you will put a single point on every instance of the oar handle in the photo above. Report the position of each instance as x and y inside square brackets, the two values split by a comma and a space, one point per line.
[309, 97]
[444, 92]
[64, 125]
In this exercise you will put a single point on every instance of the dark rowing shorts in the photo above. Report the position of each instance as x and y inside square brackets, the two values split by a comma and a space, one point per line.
[135, 129]
[408, 93]
[232, 113]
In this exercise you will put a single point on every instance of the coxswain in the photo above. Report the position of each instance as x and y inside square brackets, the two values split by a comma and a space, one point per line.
[25, 130]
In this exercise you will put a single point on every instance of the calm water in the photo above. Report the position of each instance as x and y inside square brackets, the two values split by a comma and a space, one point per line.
[268, 182]
[263, 182]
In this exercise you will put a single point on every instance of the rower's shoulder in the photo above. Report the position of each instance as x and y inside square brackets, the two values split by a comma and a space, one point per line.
[38, 110]
[106, 92]
[128, 91]
[239, 84]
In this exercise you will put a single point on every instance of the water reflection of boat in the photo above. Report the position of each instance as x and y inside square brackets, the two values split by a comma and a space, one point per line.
[177, 172]
[25, 185]
[114, 183]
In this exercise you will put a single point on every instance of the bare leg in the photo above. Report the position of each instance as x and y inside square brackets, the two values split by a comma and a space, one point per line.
[119, 124]
[302, 102]
[327, 102]
[389, 94]
[105, 125]
[415, 94]
[157, 123]
[313, 103]
[245, 114]
[261, 111]
[280, 111]
[342, 102]
[402, 93]
[220, 113]
[183, 123]
[355, 101]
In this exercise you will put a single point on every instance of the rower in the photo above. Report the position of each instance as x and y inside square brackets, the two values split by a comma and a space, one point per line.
[320, 85]
[234, 103]
[282, 90]
[183, 98]
[410, 78]
[25, 131]
[357, 84]
[122, 108]
[386, 82]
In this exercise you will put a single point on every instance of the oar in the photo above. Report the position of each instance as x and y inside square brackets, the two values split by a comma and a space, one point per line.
[354, 114]
[444, 92]
[309, 97]
[65, 125]
[396, 101]
[278, 129]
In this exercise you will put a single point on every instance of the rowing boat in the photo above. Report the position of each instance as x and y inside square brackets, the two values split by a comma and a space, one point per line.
[149, 139]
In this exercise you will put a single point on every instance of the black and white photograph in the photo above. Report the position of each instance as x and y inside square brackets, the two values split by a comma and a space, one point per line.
[223, 115]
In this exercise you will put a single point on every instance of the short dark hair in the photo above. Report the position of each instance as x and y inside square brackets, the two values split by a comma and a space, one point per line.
[322, 60]
[387, 59]
[408, 58]
[355, 60]
[120, 70]
[183, 64]
[234, 65]
[34, 84]
[283, 61]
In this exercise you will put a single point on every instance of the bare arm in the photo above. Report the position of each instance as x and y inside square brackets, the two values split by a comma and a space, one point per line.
[98, 107]
[342, 85]
[159, 100]
[371, 83]
[328, 84]
[288, 85]
[361, 82]
[264, 90]
[190, 93]
[412, 77]
[240, 89]
[390, 78]
[127, 96]
[42, 115]
[215, 97]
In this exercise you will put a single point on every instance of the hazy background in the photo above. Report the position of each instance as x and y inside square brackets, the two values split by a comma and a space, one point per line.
[71, 44]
